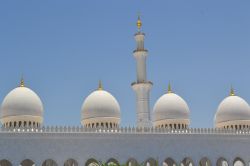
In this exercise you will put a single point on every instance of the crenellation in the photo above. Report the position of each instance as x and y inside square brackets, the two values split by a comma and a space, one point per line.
[125, 130]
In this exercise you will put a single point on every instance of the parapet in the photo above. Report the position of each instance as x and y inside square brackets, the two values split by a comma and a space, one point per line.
[126, 130]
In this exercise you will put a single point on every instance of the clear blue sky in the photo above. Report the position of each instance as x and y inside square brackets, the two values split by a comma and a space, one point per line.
[64, 47]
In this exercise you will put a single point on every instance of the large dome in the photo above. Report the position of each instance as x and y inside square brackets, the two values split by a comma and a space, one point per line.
[22, 107]
[100, 108]
[232, 111]
[171, 110]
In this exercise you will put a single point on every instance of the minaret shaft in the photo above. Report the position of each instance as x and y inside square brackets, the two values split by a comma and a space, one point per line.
[141, 67]
[142, 91]
[140, 55]
[142, 86]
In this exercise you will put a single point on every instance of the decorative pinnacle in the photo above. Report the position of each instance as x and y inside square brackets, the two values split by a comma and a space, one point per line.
[232, 91]
[22, 82]
[100, 85]
[169, 88]
[139, 23]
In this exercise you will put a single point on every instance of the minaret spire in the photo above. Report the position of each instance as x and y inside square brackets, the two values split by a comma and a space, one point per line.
[139, 23]
[142, 86]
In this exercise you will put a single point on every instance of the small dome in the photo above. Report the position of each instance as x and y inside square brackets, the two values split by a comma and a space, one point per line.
[170, 109]
[22, 105]
[100, 108]
[232, 109]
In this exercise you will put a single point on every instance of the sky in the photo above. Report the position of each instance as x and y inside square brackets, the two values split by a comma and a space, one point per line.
[63, 48]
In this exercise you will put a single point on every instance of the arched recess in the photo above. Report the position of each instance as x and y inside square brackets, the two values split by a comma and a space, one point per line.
[132, 162]
[27, 162]
[70, 162]
[150, 162]
[221, 162]
[112, 162]
[91, 162]
[238, 162]
[169, 162]
[187, 162]
[5, 163]
[49, 162]
[205, 162]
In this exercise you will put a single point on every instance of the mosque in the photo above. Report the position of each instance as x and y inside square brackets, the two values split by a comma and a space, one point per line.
[161, 136]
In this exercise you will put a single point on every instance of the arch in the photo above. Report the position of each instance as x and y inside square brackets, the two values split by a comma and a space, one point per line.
[150, 162]
[221, 162]
[27, 162]
[70, 162]
[205, 162]
[132, 162]
[5, 162]
[91, 162]
[112, 162]
[238, 162]
[49, 162]
[169, 162]
[187, 162]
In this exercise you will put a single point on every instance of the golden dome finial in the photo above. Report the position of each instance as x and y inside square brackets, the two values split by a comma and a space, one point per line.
[232, 91]
[22, 82]
[100, 85]
[169, 88]
[139, 23]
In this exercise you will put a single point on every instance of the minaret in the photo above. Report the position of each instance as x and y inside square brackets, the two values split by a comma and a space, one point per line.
[141, 86]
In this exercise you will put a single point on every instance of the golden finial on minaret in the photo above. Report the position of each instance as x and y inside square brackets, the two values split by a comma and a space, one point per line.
[169, 88]
[232, 91]
[139, 23]
[100, 85]
[22, 82]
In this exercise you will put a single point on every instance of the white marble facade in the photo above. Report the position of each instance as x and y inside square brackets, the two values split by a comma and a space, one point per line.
[125, 146]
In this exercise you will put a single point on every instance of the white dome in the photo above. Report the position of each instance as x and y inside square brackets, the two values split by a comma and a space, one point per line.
[170, 106]
[232, 108]
[22, 104]
[100, 106]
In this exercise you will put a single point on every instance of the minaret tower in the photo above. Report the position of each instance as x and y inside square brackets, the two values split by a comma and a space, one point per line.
[141, 86]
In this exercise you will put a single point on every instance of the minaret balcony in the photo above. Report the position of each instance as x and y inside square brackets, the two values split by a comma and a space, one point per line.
[144, 83]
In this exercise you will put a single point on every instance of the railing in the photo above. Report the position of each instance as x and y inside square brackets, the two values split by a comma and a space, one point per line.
[124, 130]
[144, 82]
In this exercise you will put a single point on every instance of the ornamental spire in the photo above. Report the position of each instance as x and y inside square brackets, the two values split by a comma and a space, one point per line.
[139, 22]
[22, 82]
[169, 88]
[100, 85]
[232, 91]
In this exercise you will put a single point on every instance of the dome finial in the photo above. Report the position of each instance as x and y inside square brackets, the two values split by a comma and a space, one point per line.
[139, 23]
[169, 88]
[232, 91]
[22, 82]
[100, 85]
